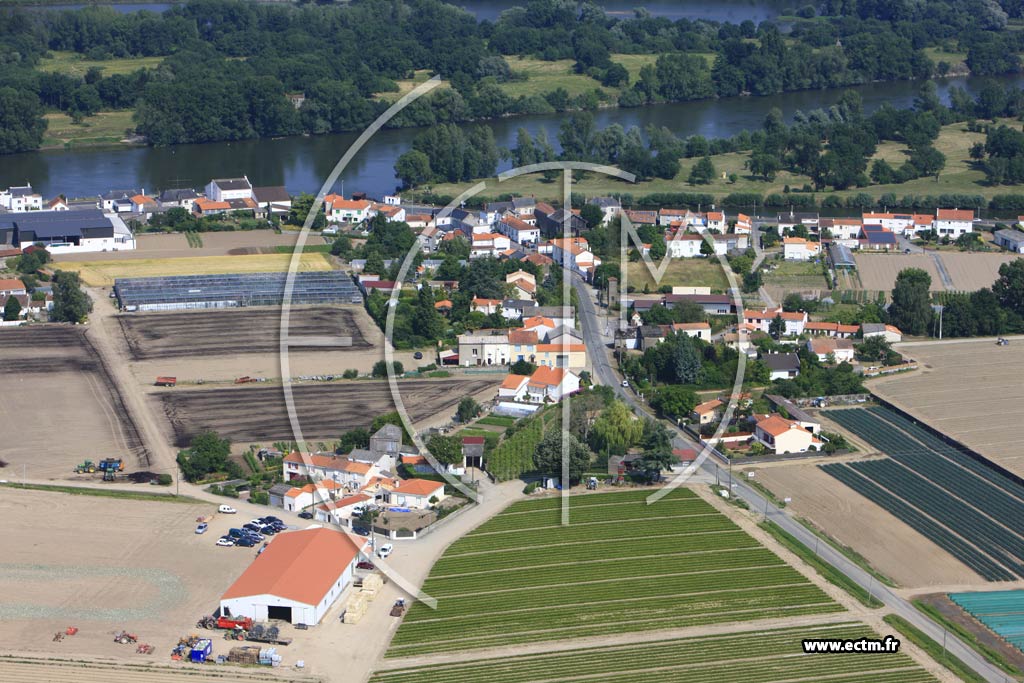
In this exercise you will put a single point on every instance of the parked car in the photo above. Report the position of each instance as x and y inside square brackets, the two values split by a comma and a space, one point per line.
[245, 542]
[268, 530]
[225, 541]
[227, 510]
[201, 529]
[235, 533]
[625, 383]
[361, 530]
[255, 528]
[256, 537]
[418, 355]
[257, 522]
[305, 515]
[385, 550]
[272, 519]
[365, 564]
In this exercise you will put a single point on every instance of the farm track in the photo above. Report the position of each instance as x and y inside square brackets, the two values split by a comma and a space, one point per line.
[31, 670]
[232, 331]
[252, 413]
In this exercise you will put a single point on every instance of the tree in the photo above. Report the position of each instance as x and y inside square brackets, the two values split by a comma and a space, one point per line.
[300, 208]
[70, 303]
[706, 248]
[467, 410]
[658, 455]
[1009, 288]
[703, 172]
[776, 327]
[874, 348]
[380, 368]
[549, 455]
[426, 321]
[674, 401]
[446, 449]
[686, 360]
[21, 121]
[615, 430]
[911, 309]
[206, 454]
[523, 367]
[413, 168]
[592, 214]
[12, 309]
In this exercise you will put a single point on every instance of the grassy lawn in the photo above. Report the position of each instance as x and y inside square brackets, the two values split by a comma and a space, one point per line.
[104, 127]
[103, 273]
[544, 77]
[74, 64]
[420, 76]
[954, 141]
[951, 57]
[693, 272]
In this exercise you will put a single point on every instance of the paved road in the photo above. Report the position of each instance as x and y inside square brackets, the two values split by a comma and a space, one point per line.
[596, 351]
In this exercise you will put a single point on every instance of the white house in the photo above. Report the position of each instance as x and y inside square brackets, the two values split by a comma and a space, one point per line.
[518, 230]
[342, 510]
[890, 333]
[297, 578]
[716, 221]
[337, 209]
[793, 321]
[488, 244]
[116, 201]
[841, 228]
[548, 384]
[782, 365]
[785, 436]
[799, 249]
[416, 494]
[707, 412]
[351, 474]
[610, 207]
[682, 245]
[300, 498]
[574, 252]
[792, 219]
[743, 226]
[226, 189]
[896, 222]
[840, 349]
[485, 347]
[21, 198]
[698, 330]
[953, 222]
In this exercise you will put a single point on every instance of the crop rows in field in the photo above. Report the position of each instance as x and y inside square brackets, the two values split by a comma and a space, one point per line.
[620, 566]
[747, 657]
[955, 501]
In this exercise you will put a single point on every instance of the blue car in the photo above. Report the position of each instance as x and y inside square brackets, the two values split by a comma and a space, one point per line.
[245, 542]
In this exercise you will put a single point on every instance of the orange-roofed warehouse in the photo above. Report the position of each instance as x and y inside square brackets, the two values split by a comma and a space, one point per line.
[297, 578]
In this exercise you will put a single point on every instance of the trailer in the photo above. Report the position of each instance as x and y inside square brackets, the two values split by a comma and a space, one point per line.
[266, 634]
[201, 651]
[166, 381]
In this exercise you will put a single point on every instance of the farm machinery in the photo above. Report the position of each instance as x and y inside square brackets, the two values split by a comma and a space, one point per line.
[87, 467]
[125, 638]
[227, 623]
[110, 467]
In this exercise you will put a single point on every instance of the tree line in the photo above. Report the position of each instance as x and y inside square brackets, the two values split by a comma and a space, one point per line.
[229, 64]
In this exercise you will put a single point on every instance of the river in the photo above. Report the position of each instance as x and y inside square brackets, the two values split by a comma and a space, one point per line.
[301, 163]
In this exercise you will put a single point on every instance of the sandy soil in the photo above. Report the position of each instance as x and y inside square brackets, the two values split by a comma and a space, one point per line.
[889, 545]
[163, 245]
[878, 271]
[962, 385]
[104, 564]
[972, 271]
[58, 390]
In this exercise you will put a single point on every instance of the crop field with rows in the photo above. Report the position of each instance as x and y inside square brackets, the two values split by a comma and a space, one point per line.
[960, 503]
[766, 656]
[620, 566]
[514, 455]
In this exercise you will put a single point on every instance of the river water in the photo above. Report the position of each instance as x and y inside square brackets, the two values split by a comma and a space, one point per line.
[302, 163]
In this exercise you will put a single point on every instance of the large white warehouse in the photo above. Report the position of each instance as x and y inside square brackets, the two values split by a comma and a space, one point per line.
[297, 578]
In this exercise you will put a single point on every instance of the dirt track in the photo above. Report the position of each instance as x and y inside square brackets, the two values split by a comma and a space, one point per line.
[233, 331]
[251, 414]
[56, 388]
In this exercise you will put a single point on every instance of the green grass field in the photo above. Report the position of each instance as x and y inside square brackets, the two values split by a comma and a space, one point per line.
[693, 272]
[74, 64]
[768, 656]
[958, 177]
[621, 566]
[106, 127]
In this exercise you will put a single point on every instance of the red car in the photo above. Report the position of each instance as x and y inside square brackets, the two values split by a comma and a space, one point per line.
[365, 565]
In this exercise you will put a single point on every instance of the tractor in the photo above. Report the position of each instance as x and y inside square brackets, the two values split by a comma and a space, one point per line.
[87, 467]
[110, 467]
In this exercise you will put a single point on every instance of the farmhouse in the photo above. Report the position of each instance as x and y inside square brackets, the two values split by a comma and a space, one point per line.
[953, 222]
[1011, 240]
[67, 232]
[785, 436]
[337, 209]
[297, 579]
[793, 321]
[349, 473]
[21, 198]
[831, 329]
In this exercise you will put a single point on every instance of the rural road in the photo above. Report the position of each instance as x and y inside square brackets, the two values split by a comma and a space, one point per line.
[604, 373]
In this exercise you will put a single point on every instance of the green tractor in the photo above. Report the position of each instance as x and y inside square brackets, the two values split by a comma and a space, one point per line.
[87, 467]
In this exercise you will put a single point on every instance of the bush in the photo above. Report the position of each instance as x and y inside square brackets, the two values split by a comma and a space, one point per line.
[530, 488]
[351, 373]
[380, 368]
[260, 498]
[164, 479]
